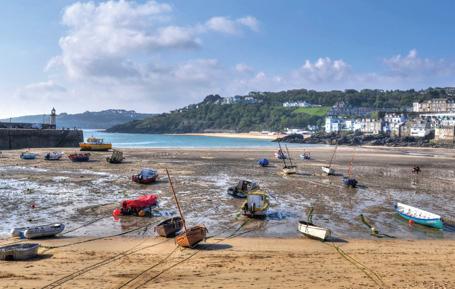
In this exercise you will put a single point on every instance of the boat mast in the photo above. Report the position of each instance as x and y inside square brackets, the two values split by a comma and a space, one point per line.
[333, 155]
[176, 200]
[284, 159]
[289, 155]
[350, 165]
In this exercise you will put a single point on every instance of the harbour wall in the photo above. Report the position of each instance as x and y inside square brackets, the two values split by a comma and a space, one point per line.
[12, 138]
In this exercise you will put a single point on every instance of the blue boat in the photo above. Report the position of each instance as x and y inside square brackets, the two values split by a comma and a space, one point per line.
[263, 162]
[419, 216]
[28, 156]
[350, 182]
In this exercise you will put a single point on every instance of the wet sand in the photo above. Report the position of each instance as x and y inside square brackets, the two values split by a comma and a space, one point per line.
[268, 253]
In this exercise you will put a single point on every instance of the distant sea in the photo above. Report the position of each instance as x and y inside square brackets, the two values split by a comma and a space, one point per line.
[133, 140]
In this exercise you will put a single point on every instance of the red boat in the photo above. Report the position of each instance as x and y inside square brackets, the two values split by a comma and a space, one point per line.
[146, 176]
[79, 157]
[137, 207]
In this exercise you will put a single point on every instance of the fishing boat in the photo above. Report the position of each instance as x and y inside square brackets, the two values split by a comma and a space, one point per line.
[95, 144]
[42, 231]
[242, 189]
[79, 157]
[53, 156]
[146, 176]
[170, 227]
[350, 181]
[191, 236]
[263, 162]
[116, 157]
[19, 252]
[328, 170]
[256, 204]
[141, 206]
[28, 156]
[419, 216]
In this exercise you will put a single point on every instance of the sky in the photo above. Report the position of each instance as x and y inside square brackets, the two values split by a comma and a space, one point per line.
[155, 56]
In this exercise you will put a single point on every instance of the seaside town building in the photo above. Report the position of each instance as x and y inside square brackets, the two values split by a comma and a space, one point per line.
[434, 105]
[444, 135]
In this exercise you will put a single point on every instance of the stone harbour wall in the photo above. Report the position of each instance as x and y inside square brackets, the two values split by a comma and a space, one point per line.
[39, 138]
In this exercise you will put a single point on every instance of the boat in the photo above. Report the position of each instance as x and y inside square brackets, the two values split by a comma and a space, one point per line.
[290, 168]
[146, 176]
[95, 144]
[79, 157]
[38, 231]
[242, 188]
[53, 156]
[256, 204]
[28, 156]
[263, 162]
[305, 156]
[328, 170]
[141, 206]
[116, 157]
[350, 181]
[312, 231]
[19, 251]
[280, 155]
[170, 227]
[191, 236]
[419, 216]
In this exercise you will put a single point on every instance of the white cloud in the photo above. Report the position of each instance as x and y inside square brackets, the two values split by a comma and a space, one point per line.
[46, 90]
[242, 67]
[226, 25]
[322, 70]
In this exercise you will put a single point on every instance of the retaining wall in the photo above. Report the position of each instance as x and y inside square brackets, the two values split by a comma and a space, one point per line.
[39, 138]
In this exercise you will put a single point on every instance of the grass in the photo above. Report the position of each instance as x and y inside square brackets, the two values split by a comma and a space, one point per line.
[313, 111]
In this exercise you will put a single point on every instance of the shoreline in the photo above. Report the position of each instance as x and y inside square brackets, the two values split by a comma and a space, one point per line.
[235, 135]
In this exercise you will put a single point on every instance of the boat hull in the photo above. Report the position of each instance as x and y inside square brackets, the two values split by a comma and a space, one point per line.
[290, 170]
[314, 231]
[144, 181]
[19, 252]
[352, 183]
[95, 147]
[79, 157]
[192, 236]
[328, 171]
[419, 216]
[38, 231]
[169, 227]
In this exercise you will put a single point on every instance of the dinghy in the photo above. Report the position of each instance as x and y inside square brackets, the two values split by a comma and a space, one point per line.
[141, 206]
[28, 156]
[79, 157]
[38, 231]
[312, 231]
[146, 176]
[242, 188]
[53, 156]
[256, 204]
[419, 216]
[190, 237]
[170, 227]
[305, 156]
[19, 251]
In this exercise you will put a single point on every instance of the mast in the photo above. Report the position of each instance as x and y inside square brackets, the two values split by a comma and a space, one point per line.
[176, 200]
[333, 155]
[350, 165]
[289, 155]
[284, 159]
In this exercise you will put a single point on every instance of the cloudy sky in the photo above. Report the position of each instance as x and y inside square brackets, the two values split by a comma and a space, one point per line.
[154, 56]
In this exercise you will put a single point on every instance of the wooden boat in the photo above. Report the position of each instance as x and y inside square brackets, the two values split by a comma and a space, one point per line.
[38, 231]
[256, 204]
[419, 216]
[328, 170]
[28, 156]
[242, 188]
[116, 157]
[190, 237]
[19, 251]
[312, 231]
[146, 176]
[95, 144]
[170, 227]
[79, 157]
[53, 156]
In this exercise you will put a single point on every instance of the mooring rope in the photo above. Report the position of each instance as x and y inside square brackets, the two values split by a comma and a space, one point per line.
[373, 231]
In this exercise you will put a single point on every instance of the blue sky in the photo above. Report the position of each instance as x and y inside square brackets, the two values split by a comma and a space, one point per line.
[153, 56]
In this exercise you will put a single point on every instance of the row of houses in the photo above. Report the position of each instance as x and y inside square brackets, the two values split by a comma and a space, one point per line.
[434, 105]
[299, 104]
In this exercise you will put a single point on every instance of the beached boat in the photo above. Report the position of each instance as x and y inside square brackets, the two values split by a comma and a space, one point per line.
[263, 162]
[28, 156]
[53, 156]
[280, 155]
[256, 204]
[190, 237]
[95, 144]
[305, 156]
[170, 227]
[242, 189]
[350, 181]
[116, 157]
[19, 251]
[328, 170]
[141, 206]
[288, 169]
[79, 157]
[419, 216]
[146, 176]
[312, 231]
[42, 231]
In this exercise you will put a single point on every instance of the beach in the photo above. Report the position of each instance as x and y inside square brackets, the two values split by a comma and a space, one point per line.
[247, 135]
[240, 253]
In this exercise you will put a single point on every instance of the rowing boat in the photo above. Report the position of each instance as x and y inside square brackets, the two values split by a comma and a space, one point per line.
[19, 251]
[419, 216]
[38, 231]
[312, 231]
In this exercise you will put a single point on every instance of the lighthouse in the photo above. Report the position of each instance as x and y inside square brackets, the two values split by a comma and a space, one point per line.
[53, 122]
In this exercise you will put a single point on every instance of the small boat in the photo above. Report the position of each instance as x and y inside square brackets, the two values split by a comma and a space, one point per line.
[242, 189]
[38, 231]
[328, 170]
[312, 231]
[140, 206]
[146, 176]
[291, 168]
[350, 182]
[53, 156]
[170, 227]
[280, 155]
[28, 156]
[79, 157]
[95, 144]
[116, 157]
[256, 204]
[305, 156]
[419, 216]
[263, 162]
[190, 237]
[19, 251]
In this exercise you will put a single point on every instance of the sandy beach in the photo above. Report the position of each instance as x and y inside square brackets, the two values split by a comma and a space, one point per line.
[99, 252]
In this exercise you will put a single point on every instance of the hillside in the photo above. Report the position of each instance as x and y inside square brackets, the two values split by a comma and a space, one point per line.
[101, 119]
[264, 110]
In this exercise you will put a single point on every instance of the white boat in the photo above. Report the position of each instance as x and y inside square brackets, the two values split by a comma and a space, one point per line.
[53, 156]
[310, 230]
[419, 216]
[19, 251]
[328, 170]
[38, 231]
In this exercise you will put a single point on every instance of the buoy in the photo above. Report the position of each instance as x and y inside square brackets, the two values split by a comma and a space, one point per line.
[116, 213]
[141, 213]
[411, 222]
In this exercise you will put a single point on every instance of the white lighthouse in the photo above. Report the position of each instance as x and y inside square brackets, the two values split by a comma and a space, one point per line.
[53, 121]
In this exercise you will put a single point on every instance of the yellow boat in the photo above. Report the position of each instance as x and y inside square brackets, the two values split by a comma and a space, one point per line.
[256, 204]
[95, 144]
